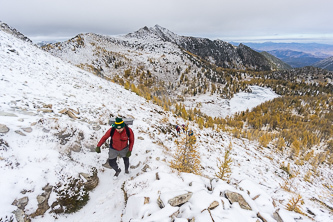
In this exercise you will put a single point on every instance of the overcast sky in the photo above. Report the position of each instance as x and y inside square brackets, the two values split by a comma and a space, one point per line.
[228, 20]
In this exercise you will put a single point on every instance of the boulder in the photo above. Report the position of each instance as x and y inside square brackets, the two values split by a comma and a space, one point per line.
[236, 197]
[180, 199]
[91, 180]
[4, 128]
[21, 203]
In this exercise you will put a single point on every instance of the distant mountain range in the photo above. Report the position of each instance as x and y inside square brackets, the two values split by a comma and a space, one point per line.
[297, 54]
[165, 54]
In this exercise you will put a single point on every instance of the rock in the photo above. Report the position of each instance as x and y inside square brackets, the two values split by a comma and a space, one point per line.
[3, 145]
[4, 128]
[261, 217]
[7, 114]
[20, 132]
[21, 203]
[145, 168]
[146, 201]
[49, 106]
[20, 216]
[174, 215]
[64, 137]
[28, 113]
[160, 202]
[45, 110]
[141, 138]
[91, 180]
[27, 129]
[236, 197]
[76, 147]
[276, 216]
[136, 166]
[213, 205]
[71, 114]
[42, 200]
[96, 128]
[180, 200]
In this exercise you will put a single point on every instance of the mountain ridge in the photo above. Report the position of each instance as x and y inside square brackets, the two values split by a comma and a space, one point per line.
[218, 52]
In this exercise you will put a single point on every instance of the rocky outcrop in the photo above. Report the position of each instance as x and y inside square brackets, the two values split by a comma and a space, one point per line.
[6, 28]
[42, 200]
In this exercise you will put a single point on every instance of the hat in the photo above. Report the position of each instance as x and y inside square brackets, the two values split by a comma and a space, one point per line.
[119, 123]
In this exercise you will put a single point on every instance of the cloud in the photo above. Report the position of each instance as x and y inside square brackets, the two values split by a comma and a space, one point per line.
[201, 18]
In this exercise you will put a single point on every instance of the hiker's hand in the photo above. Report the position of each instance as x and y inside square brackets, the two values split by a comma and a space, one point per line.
[98, 149]
[128, 154]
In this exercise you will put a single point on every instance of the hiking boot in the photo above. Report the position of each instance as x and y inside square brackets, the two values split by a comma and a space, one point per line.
[126, 171]
[117, 173]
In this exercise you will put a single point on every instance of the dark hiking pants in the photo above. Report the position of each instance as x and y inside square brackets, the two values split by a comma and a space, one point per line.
[114, 165]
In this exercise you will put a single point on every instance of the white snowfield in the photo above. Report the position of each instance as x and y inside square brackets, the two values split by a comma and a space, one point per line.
[33, 155]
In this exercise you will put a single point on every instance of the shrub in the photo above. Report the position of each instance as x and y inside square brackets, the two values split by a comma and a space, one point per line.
[71, 196]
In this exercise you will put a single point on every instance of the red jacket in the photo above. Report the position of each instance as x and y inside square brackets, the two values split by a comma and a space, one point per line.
[119, 140]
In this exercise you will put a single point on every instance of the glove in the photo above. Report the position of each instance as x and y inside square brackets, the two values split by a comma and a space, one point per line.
[98, 149]
[128, 154]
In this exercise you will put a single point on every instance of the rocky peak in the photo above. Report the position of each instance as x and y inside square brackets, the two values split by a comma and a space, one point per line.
[142, 33]
[6, 28]
[165, 34]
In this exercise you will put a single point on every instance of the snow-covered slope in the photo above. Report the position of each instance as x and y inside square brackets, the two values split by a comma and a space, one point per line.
[45, 146]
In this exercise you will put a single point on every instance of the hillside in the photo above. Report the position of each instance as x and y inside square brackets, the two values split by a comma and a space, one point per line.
[275, 59]
[295, 59]
[325, 64]
[52, 116]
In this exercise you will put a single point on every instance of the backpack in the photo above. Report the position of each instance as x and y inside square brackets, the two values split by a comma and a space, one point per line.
[113, 129]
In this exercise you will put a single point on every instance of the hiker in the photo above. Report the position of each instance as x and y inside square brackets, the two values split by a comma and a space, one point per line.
[184, 128]
[121, 144]
[190, 132]
[178, 129]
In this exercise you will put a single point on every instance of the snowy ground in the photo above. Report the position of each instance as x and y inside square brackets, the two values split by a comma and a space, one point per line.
[214, 106]
[32, 154]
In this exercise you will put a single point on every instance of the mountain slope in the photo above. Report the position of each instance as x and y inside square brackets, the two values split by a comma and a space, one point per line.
[45, 146]
[280, 64]
[325, 64]
[295, 58]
